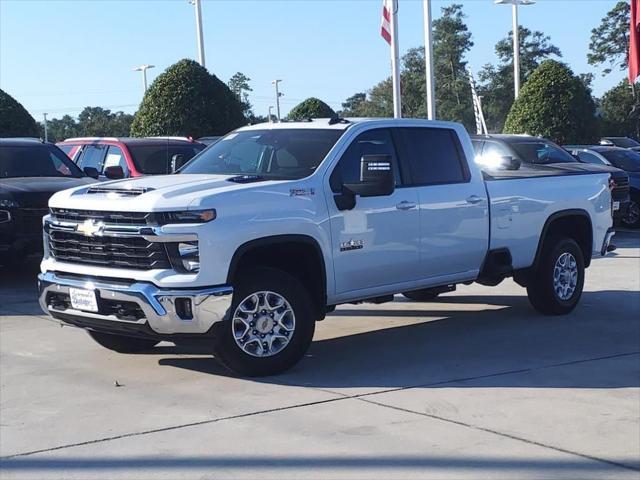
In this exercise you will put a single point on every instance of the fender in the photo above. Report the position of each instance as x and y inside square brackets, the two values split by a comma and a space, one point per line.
[561, 214]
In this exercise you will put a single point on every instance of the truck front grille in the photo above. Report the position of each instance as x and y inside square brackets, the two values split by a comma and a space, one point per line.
[29, 220]
[113, 218]
[621, 190]
[106, 251]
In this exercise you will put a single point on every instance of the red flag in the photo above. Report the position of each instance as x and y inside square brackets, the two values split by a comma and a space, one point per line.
[385, 30]
[634, 43]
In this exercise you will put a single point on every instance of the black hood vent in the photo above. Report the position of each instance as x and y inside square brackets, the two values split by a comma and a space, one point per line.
[246, 179]
[121, 192]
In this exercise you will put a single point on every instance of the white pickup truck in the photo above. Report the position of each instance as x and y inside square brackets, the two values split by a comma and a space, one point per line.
[267, 230]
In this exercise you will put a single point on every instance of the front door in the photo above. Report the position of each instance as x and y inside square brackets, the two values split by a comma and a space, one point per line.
[377, 243]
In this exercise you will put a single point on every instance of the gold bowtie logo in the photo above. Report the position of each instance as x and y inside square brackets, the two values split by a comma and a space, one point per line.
[90, 228]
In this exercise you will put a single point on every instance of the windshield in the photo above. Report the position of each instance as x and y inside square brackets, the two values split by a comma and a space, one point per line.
[624, 142]
[541, 153]
[625, 159]
[278, 154]
[36, 161]
[156, 159]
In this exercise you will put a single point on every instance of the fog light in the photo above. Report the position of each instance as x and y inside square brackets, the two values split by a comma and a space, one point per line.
[190, 256]
[183, 308]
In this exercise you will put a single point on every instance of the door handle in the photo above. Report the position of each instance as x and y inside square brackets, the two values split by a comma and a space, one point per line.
[473, 199]
[405, 205]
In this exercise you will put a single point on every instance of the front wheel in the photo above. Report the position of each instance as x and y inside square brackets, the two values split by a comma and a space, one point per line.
[555, 286]
[122, 344]
[270, 327]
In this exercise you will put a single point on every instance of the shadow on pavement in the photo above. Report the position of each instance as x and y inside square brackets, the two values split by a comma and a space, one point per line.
[480, 348]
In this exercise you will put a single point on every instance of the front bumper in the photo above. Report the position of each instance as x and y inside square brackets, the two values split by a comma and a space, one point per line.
[135, 308]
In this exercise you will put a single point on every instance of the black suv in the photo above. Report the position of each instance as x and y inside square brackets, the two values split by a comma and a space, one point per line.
[536, 152]
[30, 172]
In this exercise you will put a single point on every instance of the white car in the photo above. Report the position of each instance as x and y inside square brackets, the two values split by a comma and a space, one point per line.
[270, 228]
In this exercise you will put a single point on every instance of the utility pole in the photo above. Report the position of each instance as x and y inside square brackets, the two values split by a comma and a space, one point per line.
[270, 108]
[516, 39]
[46, 135]
[143, 69]
[278, 95]
[428, 57]
[199, 36]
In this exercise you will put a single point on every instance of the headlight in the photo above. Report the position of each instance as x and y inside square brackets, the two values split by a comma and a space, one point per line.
[189, 256]
[187, 216]
[6, 203]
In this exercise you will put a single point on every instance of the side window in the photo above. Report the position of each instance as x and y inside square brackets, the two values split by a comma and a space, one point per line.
[115, 157]
[371, 142]
[93, 156]
[434, 156]
[589, 158]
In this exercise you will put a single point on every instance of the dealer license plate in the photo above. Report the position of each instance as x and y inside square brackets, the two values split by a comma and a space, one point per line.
[83, 300]
[616, 206]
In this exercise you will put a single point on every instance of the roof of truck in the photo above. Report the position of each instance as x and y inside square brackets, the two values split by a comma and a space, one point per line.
[342, 123]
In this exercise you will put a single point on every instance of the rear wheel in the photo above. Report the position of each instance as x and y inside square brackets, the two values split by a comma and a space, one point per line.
[555, 286]
[632, 218]
[122, 344]
[270, 327]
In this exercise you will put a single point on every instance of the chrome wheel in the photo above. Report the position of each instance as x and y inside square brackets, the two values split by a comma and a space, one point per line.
[565, 276]
[263, 324]
[633, 214]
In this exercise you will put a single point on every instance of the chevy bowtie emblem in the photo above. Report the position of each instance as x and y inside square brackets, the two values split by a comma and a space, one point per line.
[90, 228]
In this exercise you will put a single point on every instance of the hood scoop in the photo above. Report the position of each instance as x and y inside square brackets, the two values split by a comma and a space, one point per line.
[245, 179]
[119, 192]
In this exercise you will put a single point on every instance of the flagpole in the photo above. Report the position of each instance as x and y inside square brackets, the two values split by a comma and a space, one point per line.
[395, 67]
[428, 60]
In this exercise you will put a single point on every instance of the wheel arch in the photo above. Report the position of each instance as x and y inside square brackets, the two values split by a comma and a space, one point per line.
[574, 223]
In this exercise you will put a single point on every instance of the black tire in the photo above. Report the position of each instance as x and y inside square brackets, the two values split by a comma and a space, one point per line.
[424, 295]
[632, 217]
[122, 344]
[260, 279]
[540, 287]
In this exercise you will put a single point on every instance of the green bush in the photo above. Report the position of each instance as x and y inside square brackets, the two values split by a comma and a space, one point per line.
[186, 100]
[555, 104]
[311, 108]
[15, 121]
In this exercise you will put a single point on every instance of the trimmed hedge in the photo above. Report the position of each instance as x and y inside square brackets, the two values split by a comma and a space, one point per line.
[15, 121]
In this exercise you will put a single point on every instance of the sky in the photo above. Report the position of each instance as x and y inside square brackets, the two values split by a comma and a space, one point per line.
[58, 56]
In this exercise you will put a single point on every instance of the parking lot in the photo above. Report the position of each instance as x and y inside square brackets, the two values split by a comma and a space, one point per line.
[475, 385]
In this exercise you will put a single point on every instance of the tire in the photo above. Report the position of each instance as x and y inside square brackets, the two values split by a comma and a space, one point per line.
[260, 296]
[557, 297]
[424, 295]
[632, 217]
[122, 344]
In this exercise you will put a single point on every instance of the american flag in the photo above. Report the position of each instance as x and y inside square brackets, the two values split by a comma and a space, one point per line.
[385, 30]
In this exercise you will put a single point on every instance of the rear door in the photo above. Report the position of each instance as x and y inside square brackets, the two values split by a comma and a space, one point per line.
[454, 217]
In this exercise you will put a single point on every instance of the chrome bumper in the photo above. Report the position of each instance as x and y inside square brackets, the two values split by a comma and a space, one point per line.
[209, 305]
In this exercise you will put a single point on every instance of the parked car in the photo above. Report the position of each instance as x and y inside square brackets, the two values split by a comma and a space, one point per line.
[534, 152]
[270, 228]
[30, 172]
[623, 142]
[116, 158]
[209, 140]
[624, 159]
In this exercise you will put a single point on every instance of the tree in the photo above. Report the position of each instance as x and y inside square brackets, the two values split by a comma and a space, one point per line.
[496, 82]
[555, 104]
[100, 122]
[620, 111]
[451, 42]
[352, 105]
[610, 40]
[311, 108]
[15, 121]
[59, 129]
[187, 100]
[239, 84]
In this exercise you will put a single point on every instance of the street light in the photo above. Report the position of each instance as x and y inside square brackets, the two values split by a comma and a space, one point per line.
[199, 37]
[46, 134]
[516, 40]
[278, 95]
[143, 69]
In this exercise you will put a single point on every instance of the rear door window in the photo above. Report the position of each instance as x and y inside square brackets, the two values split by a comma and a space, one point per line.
[115, 158]
[93, 156]
[434, 156]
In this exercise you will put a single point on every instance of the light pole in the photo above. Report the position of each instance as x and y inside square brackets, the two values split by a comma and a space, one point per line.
[516, 39]
[270, 108]
[278, 95]
[46, 136]
[199, 36]
[143, 69]
[428, 56]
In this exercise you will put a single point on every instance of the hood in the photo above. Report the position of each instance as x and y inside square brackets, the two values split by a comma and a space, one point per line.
[34, 192]
[150, 193]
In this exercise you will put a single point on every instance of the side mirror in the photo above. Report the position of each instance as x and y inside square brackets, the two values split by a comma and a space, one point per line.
[177, 161]
[91, 172]
[510, 163]
[114, 172]
[376, 180]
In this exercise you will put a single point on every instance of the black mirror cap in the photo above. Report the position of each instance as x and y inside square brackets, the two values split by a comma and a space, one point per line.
[91, 172]
[115, 172]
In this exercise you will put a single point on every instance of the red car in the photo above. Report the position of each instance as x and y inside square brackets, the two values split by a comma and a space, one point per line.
[130, 157]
